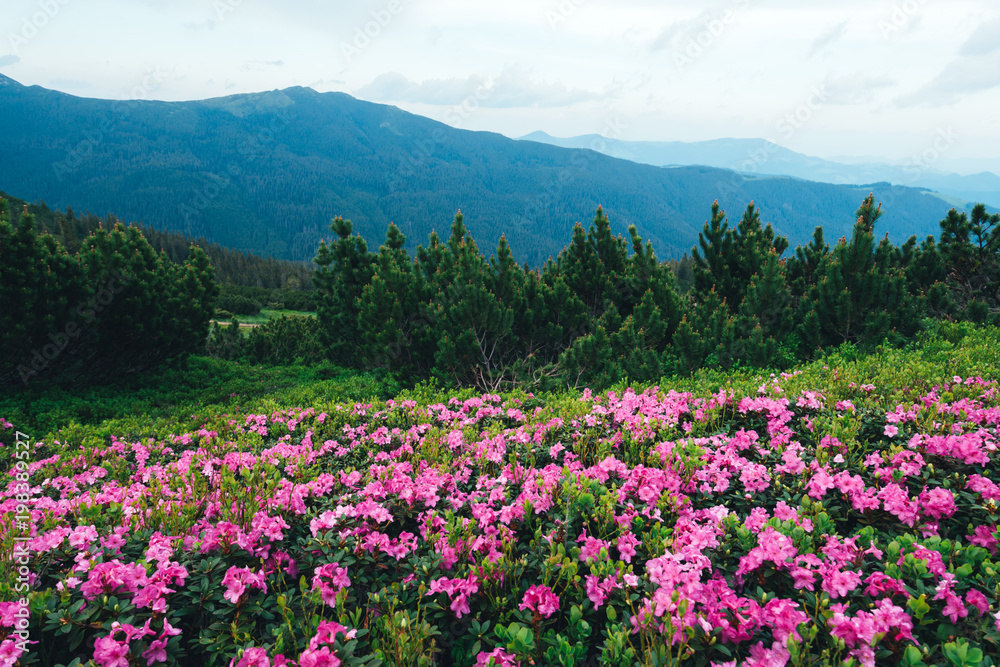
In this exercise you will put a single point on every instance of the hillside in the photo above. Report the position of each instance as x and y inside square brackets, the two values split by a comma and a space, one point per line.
[266, 172]
[764, 157]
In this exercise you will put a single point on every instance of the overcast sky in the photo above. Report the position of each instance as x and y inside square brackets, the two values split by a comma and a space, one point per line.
[827, 78]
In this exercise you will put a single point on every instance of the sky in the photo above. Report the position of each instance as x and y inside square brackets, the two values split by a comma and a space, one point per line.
[842, 79]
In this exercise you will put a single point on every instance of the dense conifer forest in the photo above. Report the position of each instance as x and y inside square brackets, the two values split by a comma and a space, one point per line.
[606, 309]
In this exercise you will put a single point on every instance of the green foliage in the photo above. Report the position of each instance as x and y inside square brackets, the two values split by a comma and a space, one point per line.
[41, 287]
[345, 268]
[970, 253]
[187, 397]
[861, 293]
[282, 280]
[282, 340]
[115, 308]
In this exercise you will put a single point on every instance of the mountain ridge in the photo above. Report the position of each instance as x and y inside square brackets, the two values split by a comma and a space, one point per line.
[763, 156]
[265, 172]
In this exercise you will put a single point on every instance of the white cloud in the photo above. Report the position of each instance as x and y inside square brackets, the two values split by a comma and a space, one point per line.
[607, 58]
[963, 76]
[829, 36]
[514, 87]
[857, 88]
[985, 39]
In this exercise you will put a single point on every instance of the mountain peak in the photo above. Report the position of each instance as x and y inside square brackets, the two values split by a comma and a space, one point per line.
[537, 135]
[266, 171]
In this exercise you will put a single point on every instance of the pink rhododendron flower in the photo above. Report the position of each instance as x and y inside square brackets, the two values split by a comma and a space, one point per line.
[591, 550]
[937, 502]
[10, 653]
[838, 583]
[954, 608]
[598, 590]
[497, 658]
[776, 656]
[109, 652]
[540, 599]
[458, 590]
[237, 579]
[755, 478]
[977, 600]
[784, 617]
[318, 658]
[8, 611]
[327, 631]
[113, 577]
[156, 652]
[627, 542]
[255, 656]
[330, 579]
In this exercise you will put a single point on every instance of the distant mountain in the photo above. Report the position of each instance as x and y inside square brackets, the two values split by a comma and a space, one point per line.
[266, 172]
[759, 156]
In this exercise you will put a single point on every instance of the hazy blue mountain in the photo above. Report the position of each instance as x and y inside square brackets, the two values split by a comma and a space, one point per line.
[760, 156]
[266, 172]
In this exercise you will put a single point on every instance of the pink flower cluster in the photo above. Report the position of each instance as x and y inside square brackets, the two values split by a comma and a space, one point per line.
[540, 600]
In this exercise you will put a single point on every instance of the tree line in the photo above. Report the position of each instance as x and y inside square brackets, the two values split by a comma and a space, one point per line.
[112, 307]
[604, 309]
[607, 309]
[232, 267]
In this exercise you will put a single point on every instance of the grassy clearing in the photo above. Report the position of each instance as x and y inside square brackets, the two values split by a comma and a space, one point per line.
[266, 314]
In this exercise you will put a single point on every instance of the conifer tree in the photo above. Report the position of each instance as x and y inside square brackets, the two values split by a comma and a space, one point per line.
[590, 361]
[927, 275]
[40, 286]
[729, 258]
[116, 308]
[392, 328]
[345, 268]
[641, 341]
[803, 267]
[740, 296]
[562, 313]
[860, 297]
[474, 329]
[146, 310]
[766, 316]
[970, 248]
[593, 265]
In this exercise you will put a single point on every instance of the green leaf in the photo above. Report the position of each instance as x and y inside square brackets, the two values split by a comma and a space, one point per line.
[912, 657]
